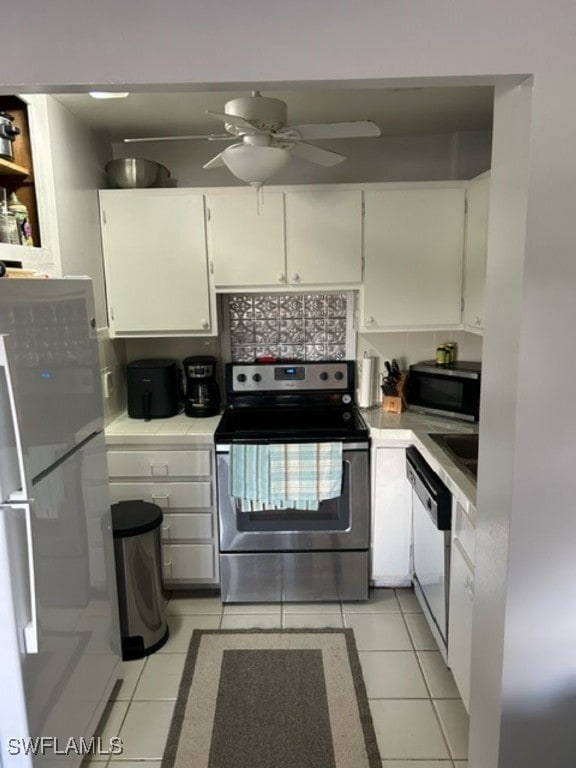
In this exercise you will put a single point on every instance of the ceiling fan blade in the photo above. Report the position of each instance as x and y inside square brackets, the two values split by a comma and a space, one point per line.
[218, 160]
[316, 154]
[209, 136]
[349, 130]
[235, 121]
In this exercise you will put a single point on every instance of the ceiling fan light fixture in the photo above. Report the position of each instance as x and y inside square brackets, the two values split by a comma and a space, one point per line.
[255, 164]
[109, 94]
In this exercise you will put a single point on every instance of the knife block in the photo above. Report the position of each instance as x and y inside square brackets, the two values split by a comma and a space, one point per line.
[396, 403]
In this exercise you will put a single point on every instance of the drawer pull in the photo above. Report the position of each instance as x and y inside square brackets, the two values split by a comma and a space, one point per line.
[162, 499]
[167, 568]
[166, 531]
[159, 469]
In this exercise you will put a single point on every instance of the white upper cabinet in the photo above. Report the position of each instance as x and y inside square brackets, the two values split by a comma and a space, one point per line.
[246, 238]
[413, 250]
[324, 237]
[154, 245]
[475, 252]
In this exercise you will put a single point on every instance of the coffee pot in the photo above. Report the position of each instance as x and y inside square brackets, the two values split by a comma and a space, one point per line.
[202, 397]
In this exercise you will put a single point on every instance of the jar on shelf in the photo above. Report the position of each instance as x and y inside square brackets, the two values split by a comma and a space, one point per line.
[20, 211]
[441, 355]
[8, 223]
[451, 353]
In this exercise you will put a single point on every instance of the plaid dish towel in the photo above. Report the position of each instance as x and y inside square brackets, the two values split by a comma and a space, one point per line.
[295, 475]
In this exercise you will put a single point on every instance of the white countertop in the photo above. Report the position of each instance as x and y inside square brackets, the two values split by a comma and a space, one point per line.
[180, 429]
[386, 429]
[402, 429]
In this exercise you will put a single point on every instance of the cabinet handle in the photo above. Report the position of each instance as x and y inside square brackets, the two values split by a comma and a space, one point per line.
[295, 277]
[281, 277]
[205, 324]
[159, 469]
[478, 320]
[370, 320]
[162, 499]
[166, 531]
[167, 568]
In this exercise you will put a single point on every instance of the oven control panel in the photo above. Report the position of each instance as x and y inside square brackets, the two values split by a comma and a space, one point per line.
[254, 377]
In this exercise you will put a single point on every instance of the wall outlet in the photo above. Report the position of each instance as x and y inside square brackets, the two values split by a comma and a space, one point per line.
[107, 383]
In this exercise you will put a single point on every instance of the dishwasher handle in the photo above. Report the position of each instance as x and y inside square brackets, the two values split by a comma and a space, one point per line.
[431, 491]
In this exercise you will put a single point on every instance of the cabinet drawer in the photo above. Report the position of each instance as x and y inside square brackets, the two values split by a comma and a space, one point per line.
[166, 495]
[187, 562]
[159, 463]
[188, 526]
[464, 532]
[460, 623]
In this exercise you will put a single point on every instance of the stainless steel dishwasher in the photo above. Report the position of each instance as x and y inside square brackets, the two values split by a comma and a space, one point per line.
[431, 523]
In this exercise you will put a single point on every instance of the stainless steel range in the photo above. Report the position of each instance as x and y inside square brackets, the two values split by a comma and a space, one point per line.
[293, 554]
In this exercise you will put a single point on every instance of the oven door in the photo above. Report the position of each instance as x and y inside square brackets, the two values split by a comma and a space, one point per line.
[339, 523]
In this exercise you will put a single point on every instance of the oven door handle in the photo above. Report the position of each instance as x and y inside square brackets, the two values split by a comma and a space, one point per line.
[363, 446]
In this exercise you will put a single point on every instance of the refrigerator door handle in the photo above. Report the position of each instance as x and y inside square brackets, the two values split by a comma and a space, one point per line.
[30, 630]
[12, 475]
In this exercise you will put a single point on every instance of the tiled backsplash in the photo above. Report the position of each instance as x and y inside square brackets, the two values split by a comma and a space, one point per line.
[307, 326]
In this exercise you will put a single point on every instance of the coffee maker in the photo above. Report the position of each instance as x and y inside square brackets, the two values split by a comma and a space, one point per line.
[202, 394]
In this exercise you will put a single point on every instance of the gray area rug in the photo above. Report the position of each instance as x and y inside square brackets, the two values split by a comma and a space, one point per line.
[272, 698]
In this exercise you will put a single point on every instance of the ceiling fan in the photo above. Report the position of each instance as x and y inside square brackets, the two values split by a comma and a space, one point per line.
[266, 141]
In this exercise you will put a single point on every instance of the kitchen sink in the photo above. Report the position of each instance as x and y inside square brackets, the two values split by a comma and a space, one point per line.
[462, 449]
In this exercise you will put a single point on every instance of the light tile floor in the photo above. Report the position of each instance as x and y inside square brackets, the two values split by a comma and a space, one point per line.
[419, 719]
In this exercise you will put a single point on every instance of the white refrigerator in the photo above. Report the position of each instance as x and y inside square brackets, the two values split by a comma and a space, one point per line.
[59, 630]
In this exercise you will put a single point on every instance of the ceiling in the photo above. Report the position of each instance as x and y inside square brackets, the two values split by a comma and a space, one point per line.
[398, 111]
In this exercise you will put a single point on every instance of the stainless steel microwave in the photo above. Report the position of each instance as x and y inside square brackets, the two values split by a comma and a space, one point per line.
[452, 391]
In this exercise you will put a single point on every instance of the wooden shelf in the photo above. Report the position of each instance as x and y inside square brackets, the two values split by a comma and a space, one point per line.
[7, 168]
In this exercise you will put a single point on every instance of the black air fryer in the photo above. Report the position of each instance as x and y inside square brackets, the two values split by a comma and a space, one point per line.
[152, 389]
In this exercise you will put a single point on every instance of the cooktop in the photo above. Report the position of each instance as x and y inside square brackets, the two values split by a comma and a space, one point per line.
[294, 424]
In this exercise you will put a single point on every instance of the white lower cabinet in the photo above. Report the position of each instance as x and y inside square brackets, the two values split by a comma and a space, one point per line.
[181, 482]
[189, 563]
[391, 518]
[461, 602]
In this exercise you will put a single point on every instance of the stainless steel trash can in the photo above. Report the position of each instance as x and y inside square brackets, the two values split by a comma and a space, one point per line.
[141, 601]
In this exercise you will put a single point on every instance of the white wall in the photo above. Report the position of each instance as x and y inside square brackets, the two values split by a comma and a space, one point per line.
[523, 682]
[387, 158]
[78, 159]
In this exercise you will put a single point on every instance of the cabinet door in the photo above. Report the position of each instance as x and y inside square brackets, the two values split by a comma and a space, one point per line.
[155, 260]
[475, 252]
[392, 519]
[324, 237]
[460, 621]
[246, 238]
[189, 562]
[413, 241]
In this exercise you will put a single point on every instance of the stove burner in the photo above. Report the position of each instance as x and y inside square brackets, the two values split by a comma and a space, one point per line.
[304, 401]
